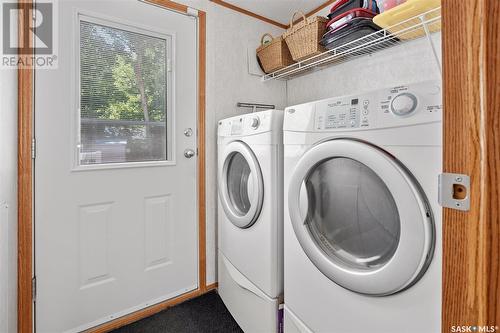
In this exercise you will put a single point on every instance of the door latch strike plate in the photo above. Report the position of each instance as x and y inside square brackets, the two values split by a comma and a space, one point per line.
[454, 191]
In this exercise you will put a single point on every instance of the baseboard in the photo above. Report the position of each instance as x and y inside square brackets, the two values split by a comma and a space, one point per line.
[212, 286]
[149, 311]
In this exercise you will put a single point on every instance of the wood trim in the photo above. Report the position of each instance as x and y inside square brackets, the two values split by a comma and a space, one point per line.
[471, 245]
[320, 7]
[249, 13]
[144, 313]
[315, 10]
[170, 5]
[268, 20]
[491, 161]
[25, 180]
[212, 286]
[202, 49]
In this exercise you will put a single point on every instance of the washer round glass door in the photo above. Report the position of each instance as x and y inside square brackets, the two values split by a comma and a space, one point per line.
[241, 187]
[360, 217]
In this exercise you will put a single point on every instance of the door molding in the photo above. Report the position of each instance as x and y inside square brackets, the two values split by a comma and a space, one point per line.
[24, 182]
[471, 240]
[25, 309]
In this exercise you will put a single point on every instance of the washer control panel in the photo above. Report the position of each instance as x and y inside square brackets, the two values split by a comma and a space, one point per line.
[402, 105]
[249, 124]
[340, 113]
[242, 124]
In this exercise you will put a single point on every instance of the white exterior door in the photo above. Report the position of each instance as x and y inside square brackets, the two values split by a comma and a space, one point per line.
[115, 195]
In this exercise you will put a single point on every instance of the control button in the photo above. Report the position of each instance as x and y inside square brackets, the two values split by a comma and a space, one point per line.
[404, 104]
[366, 102]
[365, 112]
[255, 123]
[353, 123]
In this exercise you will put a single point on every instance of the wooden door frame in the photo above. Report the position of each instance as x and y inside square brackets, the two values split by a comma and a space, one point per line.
[25, 260]
[471, 244]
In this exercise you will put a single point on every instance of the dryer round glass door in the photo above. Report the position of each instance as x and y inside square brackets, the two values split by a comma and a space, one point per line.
[241, 187]
[361, 217]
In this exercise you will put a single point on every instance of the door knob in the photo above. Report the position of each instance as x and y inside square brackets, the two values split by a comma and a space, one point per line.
[188, 153]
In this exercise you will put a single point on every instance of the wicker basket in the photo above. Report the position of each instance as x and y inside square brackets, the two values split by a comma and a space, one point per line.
[303, 37]
[273, 55]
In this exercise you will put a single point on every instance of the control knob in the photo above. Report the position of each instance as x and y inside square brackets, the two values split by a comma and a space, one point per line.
[404, 104]
[255, 123]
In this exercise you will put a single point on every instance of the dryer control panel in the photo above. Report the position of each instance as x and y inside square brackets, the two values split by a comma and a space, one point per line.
[391, 107]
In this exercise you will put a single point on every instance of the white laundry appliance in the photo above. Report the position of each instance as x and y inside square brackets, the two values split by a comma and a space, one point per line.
[250, 256]
[362, 224]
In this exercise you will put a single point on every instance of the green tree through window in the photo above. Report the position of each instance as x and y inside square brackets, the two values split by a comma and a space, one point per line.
[122, 95]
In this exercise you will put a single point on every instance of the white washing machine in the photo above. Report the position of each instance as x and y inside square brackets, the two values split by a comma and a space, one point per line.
[250, 257]
[362, 226]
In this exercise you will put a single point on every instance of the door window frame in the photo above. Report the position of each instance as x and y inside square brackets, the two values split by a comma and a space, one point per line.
[170, 69]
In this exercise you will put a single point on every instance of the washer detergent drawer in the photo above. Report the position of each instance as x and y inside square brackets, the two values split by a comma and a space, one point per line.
[252, 309]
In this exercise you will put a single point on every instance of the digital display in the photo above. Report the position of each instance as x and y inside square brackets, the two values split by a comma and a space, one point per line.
[355, 101]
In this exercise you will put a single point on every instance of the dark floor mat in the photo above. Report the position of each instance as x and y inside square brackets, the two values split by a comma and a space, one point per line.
[205, 314]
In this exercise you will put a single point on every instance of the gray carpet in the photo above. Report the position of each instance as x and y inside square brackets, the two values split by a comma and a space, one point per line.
[205, 314]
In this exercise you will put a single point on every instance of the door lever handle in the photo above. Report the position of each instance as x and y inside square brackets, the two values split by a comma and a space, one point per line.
[188, 153]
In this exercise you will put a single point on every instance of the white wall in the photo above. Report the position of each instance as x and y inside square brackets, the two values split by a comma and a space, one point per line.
[8, 200]
[406, 63]
[229, 34]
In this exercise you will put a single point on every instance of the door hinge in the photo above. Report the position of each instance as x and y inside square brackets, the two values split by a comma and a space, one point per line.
[454, 191]
[192, 12]
[33, 148]
[33, 289]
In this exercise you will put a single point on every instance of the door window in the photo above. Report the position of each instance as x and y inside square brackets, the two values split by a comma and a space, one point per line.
[352, 215]
[124, 82]
[239, 183]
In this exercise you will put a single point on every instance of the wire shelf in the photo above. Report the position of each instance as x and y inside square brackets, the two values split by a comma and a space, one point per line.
[416, 27]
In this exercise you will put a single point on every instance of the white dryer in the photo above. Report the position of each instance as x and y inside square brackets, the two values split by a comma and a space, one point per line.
[362, 227]
[250, 256]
